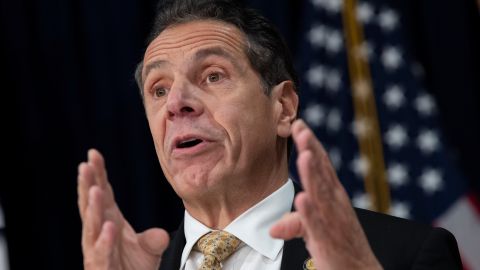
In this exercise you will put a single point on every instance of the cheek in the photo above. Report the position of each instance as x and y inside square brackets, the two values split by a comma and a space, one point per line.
[156, 122]
[246, 122]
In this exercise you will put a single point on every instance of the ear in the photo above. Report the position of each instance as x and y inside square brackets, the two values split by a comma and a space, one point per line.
[285, 105]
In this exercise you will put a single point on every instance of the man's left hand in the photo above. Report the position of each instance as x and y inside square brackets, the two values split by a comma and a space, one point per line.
[324, 218]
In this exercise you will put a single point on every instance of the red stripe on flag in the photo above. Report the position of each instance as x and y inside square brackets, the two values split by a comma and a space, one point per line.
[472, 197]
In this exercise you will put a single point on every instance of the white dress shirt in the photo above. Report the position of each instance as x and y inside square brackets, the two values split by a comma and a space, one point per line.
[258, 249]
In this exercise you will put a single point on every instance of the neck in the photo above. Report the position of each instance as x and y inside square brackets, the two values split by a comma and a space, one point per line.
[219, 208]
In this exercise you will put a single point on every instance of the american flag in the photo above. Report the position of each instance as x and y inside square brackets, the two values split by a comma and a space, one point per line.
[424, 182]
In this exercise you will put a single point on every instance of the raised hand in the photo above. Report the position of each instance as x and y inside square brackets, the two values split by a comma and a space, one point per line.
[108, 240]
[324, 218]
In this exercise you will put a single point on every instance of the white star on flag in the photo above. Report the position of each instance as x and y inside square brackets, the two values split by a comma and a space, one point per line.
[431, 181]
[397, 175]
[317, 36]
[394, 97]
[428, 141]
[388, 19]
[361, 200]
[334, 41]
[334, 120]
[335, 157]
[400, 209]
[360, 166]
[333, 81]
[425, 105]
[333, 6]
[391, 58]
[316, 76]
[314, 114]
[364, 12]
[396, 137]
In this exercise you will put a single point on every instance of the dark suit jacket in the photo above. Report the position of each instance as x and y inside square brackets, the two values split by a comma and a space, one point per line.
[397, 243]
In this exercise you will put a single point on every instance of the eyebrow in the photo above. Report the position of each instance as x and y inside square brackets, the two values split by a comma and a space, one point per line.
[198, 56]
[154, 65]
[204, 53]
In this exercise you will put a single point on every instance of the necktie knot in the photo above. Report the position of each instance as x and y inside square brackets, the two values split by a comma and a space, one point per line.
[216, 246]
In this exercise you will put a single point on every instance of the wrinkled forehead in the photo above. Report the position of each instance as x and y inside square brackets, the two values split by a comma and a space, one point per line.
[187, 37]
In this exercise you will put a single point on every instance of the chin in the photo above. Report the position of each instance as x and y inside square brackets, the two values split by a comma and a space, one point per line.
[194, 180]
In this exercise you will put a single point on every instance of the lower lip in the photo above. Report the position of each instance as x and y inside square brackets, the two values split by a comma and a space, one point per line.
[190, 151]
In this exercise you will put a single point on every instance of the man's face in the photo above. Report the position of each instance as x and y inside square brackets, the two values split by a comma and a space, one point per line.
[213, 126]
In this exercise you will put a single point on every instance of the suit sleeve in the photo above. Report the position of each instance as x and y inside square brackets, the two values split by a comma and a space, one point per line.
[439, 251]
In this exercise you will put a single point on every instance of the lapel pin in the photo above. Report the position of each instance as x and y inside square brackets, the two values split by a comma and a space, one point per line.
[308, 264]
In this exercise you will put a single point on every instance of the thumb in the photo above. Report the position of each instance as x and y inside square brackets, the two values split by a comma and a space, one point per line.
[288, 227]
[154, 241]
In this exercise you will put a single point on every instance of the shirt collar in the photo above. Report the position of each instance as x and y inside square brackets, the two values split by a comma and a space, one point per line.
[252, 227]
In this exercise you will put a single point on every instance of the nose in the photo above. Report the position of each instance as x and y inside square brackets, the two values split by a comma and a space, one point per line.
[183, 100]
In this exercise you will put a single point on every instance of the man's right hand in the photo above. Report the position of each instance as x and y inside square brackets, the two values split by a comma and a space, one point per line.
[108, 240]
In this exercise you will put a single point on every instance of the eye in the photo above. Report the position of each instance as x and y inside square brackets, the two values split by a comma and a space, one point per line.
[160, 92]
[214, 77]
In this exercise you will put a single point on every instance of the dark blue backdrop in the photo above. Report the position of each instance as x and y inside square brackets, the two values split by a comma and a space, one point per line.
[67, 80]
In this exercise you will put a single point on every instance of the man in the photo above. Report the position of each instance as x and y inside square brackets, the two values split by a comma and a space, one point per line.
[220, 97]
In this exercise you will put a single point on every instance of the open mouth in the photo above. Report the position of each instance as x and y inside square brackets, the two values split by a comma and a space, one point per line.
[189, 143]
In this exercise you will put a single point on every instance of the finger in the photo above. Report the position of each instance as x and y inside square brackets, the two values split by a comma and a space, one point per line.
[105, 244]
[312, 219]
[306, 209]
[95, 159]
[154, 241]
[315, 169]
[297, 126]
[97, 162]
[92, 223]
[84, 181]
[288, 227]
[313, 177]
[305, 166]
[305, 139]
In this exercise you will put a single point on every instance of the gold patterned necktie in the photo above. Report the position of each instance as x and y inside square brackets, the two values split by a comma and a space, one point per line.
[216, 246]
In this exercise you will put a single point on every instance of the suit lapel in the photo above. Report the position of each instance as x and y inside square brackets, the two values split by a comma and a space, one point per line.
[173, 255]
[294, 252]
